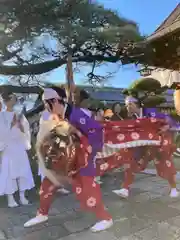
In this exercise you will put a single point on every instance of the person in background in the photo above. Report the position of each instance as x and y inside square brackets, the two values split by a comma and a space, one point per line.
[116, 108]
[15, 140]
[99, 116]
[133, 107]
[163, 160]
[87, 191]
[82, 101]
[108, 114]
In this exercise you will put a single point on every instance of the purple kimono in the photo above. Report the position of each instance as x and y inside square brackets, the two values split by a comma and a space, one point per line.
[93, 131]
[152, 112]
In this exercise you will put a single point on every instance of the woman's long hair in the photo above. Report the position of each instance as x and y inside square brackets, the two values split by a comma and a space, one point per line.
[7, 95]
[114, 106]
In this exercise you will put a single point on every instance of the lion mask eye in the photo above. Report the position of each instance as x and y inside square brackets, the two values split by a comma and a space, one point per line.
[62, 144]
[57, 140]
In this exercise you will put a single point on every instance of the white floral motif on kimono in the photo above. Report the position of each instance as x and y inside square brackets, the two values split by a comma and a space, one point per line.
[168, 163]
[104, 166]
[86, 156]
[94, 184]
[165, 142]
[120, 137]
[89, 149]
[150, 135]
[91, 202]
[135, 136]
[78, 190]
[82, 121]
[47, 195]
[119, 158]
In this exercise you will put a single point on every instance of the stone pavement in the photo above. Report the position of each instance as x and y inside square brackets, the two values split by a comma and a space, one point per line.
[149, 214]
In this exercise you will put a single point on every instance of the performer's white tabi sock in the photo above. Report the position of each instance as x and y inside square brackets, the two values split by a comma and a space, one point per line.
[123, 192]
[174, 193]
[23, 199]
[102, 225]
[11, 201]
[63, 191]
[37, 220]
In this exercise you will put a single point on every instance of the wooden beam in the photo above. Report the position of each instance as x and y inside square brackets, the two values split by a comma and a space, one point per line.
[175, 27]
[20, 89]
[36, 110]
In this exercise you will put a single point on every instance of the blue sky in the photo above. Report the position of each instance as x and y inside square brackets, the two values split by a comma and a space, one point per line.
[148, 14]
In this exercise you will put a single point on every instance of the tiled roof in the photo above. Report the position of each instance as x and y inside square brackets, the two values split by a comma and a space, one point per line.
[170, 24]
[106, 94]
[173, 17]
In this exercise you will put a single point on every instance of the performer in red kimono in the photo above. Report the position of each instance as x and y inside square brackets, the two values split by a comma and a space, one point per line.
[162, 156]
[63, 157]
[87, 190]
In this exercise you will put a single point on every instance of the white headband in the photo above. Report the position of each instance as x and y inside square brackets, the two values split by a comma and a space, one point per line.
[50, 93]
[130, 99]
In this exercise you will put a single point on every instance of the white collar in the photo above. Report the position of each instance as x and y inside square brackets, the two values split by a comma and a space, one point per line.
[140, 115]
[87, 112]
[64, 112]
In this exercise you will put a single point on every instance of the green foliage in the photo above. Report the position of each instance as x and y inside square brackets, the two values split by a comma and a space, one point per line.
[130, 92]
[177, 141]
[83, 28]
[145, 84]
[123, 112]
[125, 92]
[153, 101]
[95, 104]
[174, 115]
[148, 91]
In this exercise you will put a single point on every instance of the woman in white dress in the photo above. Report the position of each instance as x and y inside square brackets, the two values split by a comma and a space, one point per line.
[15, 140]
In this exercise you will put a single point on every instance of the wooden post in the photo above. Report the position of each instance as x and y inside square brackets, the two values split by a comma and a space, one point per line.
[70, 79]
